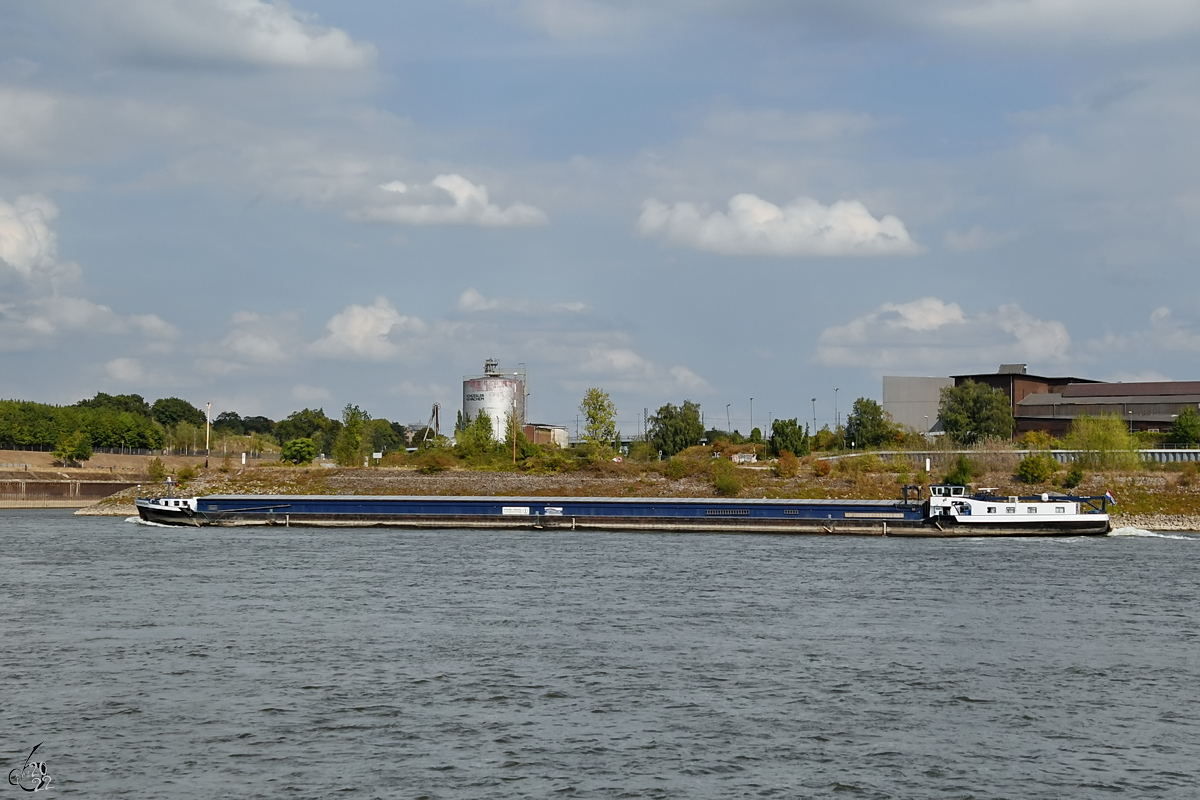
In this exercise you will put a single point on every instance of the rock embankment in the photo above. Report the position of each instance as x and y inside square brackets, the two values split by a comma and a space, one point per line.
[1158, 522]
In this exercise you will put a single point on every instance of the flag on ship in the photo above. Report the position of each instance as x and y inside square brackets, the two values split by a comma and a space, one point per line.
[1111, 499]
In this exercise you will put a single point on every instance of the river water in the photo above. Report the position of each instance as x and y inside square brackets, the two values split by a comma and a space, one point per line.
[165, 662]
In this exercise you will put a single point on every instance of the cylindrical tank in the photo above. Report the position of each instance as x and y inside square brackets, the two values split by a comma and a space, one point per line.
[495, 394]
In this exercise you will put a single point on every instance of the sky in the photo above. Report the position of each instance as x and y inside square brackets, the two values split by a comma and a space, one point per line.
[271, 206]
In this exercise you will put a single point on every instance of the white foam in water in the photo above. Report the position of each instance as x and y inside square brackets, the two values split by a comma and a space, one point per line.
[140, 521]
[1147, 534]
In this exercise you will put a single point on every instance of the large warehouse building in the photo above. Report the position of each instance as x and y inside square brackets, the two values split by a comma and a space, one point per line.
[1041, 403]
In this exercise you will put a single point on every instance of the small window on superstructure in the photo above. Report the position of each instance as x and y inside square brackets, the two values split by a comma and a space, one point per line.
[1059, 510]
[991, 509]
[1032, 509]
[1010, 509]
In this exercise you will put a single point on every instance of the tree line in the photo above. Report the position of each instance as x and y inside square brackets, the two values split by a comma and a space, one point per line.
[130, 421]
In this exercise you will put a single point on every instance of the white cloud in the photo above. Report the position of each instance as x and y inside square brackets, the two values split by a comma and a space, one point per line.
[690, 380]
[125, 370]
[33, 311]
[261, 339]
[29, 324]
[219, 32]
[363, 332]
[304, 393]
[472, 301]
[618, 361]
[29, 243]
[929, 332]
[1098, 21]
[1167, 333]
[754, 226]
[470, 206]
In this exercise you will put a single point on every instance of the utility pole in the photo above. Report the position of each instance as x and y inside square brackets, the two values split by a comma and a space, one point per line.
[814, 416]
[728, 427]
[752, 414]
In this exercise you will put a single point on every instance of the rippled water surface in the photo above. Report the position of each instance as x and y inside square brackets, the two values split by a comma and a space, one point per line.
[162, 662]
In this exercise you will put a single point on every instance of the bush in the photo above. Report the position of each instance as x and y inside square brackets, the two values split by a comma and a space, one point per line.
[1074, 477]
[432, 461]
[156, 470]
[725, 479]
[963, 473]
[299, 451]
[1105, 443]
[185, 475]
[1036, 468]
[676, 469]
[821, 468]
[1187, 475]
[788, 465]
[1036, 440]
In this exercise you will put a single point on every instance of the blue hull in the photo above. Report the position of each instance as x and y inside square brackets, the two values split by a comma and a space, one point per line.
[862, 517]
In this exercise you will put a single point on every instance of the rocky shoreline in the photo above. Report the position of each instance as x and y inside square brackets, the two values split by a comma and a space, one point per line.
[1158, 522]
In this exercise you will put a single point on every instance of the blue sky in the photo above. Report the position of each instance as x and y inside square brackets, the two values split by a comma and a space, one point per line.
[271, 206]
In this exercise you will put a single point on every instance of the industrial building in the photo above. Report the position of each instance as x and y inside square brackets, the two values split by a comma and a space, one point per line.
[1149, 406]
[913, 402]
[1049, 404]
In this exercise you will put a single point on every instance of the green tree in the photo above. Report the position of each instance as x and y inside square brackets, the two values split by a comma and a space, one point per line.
[74, 448]
[1104, 442]
[676, 428]
[1186, 427]
[975, 411]
[133, 403]
[1036, 468]
[229, 422]
[788, 437]
[170, 411]
[384, 437]
[299, 451]
[476, 437]
[309, 424]
[868, 425]
[600, 419]
[525, 448]
[348, 450]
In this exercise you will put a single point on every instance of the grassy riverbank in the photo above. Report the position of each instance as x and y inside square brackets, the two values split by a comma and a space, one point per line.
[1160, 498]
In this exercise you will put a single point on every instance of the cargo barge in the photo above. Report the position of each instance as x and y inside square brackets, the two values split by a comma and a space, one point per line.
[947, 511]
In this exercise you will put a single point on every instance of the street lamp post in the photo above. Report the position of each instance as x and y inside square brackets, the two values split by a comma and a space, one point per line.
[814, 416]
[728, 428]
[751, 414]
[207, 432]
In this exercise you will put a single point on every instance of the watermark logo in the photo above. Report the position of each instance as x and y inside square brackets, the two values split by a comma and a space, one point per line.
[32, 775]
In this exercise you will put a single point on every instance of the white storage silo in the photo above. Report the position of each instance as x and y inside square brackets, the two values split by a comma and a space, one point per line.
[496, 394]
